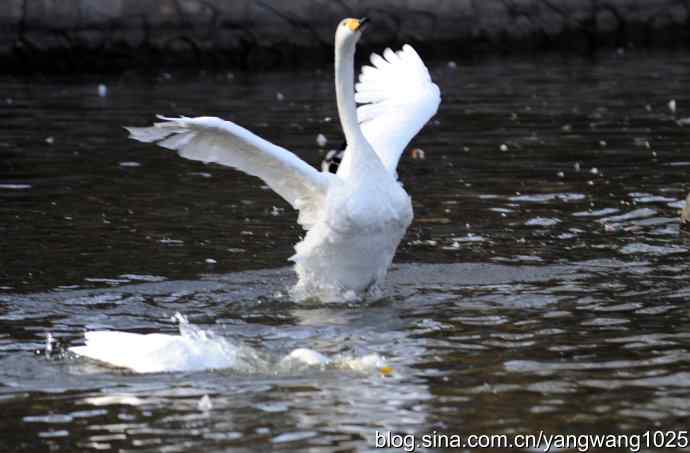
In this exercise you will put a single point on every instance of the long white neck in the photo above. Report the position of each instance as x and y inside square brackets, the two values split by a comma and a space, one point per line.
[345, 92]
[359, 154]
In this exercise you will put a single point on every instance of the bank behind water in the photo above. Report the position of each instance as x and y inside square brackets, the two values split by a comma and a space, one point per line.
[112, 34]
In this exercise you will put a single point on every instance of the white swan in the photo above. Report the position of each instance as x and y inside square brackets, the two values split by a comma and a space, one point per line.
[356, 218]
[195, 349]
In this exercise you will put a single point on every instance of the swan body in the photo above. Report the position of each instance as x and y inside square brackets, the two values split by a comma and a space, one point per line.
[195, 349]
[356, 218]
[157, 352]
[353, 245]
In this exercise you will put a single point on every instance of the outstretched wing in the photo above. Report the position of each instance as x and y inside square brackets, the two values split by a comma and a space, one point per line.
[398, 98]
[209, 139]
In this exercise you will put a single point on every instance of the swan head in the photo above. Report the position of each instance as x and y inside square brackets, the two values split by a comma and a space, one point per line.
[349, 31]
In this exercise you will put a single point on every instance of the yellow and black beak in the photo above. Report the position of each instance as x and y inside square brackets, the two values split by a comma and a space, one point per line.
[356, 24]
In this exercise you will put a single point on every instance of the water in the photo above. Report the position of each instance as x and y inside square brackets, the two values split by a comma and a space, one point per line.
[543, 286]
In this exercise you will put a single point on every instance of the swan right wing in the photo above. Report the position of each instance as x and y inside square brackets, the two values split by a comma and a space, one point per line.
[397, 99]
[210, 139]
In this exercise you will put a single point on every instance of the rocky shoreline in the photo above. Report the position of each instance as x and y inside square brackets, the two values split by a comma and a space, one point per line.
[111, 34]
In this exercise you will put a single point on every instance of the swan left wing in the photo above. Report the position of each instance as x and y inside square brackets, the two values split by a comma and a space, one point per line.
[397, 99]
[210, 139]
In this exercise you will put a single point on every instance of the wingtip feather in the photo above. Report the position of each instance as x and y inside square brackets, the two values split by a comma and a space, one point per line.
[147, 134]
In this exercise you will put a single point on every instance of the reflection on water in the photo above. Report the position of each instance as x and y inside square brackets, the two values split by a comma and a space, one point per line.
[554, 294]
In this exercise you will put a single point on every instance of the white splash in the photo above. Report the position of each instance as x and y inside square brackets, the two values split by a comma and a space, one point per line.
[192, 350]
[302, 357]
[307, 357]
[49, 344]
[205, 404]
[195, 349]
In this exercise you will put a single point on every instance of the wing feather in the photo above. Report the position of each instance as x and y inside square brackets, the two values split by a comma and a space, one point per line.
[397, 99]
[210, 139]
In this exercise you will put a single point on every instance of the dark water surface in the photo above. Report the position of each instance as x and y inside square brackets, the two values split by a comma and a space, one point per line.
[543, 286]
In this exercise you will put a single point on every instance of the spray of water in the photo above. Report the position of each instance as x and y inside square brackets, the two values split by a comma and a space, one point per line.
[196, 349]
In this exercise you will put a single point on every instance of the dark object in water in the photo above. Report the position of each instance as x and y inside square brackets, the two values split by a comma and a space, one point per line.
[333, 158]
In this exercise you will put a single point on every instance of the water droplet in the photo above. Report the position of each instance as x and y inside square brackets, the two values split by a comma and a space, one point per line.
[49, 344]
[205, 404]
[672, 106]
